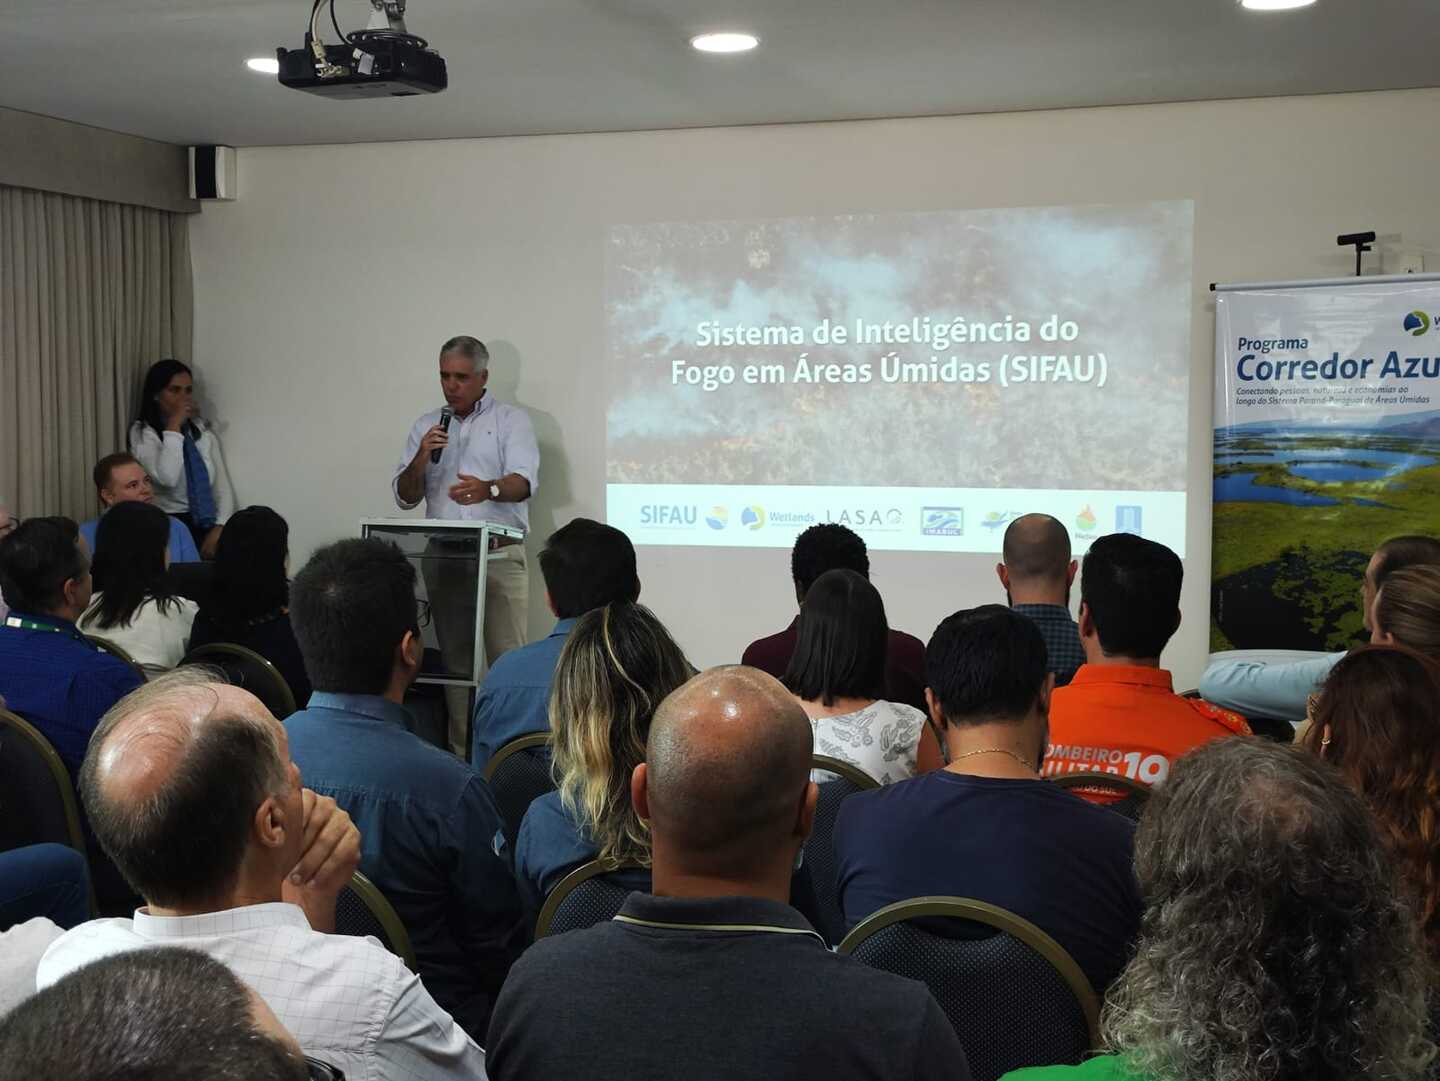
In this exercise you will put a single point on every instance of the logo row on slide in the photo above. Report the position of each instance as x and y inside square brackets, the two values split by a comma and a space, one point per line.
[932, 521]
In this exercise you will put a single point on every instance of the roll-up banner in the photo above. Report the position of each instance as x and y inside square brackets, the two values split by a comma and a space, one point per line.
[1327, 442]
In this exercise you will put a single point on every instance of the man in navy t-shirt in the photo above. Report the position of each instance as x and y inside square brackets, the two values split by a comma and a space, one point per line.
[987, 827]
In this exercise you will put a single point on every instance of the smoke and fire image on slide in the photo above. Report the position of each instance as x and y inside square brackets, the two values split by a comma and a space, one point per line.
[1032, 348]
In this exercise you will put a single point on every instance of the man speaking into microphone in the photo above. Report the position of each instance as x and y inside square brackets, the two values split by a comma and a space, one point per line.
[485, 467]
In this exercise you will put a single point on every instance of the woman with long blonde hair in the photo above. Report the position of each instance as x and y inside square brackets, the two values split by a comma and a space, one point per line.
[619, 663]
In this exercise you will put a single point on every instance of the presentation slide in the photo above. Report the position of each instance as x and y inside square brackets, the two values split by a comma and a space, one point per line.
[922, 378]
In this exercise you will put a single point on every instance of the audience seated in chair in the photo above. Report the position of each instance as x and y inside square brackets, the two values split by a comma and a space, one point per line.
[1120, 713]
[190, 787]
[715, 976]
[1277, 940]
[44, 890]
[427, 819]
[162, 1013]
[1037, 573]
[49, 674]
[618, 665]
[1281, 691]
[828, 547]
[134, 605]
[8, 522]
[119, 478]
[586, 565]
[837, 673]
[987, 827]
[1378, 720]
[250, 595]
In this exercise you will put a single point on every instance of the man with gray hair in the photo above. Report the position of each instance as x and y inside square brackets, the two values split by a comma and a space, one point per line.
[191, 791]
[729, 979]
[1276, 942]
[484, 468]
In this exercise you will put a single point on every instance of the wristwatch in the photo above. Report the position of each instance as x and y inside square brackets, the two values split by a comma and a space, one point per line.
[494, 491]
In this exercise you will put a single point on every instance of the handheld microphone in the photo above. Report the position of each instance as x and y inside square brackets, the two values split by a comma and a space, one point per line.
[445, 416]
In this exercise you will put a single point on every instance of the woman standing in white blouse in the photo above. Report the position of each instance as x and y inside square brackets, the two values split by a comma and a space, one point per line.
[838, 674]
[181, 455]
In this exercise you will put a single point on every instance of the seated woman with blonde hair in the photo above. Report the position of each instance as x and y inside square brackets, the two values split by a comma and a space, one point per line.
[618, 665]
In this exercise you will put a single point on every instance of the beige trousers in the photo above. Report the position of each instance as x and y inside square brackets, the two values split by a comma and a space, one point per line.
[450, 582]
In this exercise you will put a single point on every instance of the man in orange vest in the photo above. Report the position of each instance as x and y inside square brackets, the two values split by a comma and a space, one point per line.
[1120, 714]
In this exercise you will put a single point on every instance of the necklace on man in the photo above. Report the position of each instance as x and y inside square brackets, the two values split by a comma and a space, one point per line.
[993, 750]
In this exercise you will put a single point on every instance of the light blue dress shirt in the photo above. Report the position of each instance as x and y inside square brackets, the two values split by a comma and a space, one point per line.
[426, 821]
[494, 441]
[1275, 691]
[514, 700]
[181, 546]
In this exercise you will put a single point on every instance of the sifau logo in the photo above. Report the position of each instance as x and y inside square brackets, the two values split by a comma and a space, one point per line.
[1127, 520]
[668, 515]
[942, 521]
[1085, 521]
[718, 518]
[753, 517]
[1417, 323]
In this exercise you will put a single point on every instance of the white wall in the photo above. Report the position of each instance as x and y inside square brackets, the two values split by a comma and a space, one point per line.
[324, 292]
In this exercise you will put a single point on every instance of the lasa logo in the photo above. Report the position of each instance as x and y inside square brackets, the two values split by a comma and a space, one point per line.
[1417, 323]
[866, 517]
[753, 517]
[668, 514]
[718, 518]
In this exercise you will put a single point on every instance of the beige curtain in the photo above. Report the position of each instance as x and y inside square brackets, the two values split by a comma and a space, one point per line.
[91, 294]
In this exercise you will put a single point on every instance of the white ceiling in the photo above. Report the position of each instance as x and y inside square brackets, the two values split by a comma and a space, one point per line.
[174, 69]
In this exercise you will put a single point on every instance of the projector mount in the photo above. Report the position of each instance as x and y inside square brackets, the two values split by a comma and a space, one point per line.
[383, 60]
[386, 27]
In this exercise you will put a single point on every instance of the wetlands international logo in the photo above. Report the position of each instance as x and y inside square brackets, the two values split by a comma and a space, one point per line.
[718, 518]
[1417, 323]
[753, 517]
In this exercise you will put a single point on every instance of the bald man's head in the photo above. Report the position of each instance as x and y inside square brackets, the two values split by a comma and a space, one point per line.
[172, 780]
[727, 768]
[1037, 548]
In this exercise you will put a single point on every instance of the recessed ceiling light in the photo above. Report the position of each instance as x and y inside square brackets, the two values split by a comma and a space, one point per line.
[265, 65]
[725, 43]
[1275, 5]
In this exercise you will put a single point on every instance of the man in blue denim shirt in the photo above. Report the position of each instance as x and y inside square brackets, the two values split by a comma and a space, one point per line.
[586, 565]
[426, 819]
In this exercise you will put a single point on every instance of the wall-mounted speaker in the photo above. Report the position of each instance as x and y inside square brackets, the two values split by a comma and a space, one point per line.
[212, 172]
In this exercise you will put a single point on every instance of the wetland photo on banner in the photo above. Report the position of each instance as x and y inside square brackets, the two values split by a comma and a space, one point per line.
[1327, 441]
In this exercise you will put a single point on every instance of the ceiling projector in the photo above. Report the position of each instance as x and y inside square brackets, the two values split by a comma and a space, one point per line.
[382, 61]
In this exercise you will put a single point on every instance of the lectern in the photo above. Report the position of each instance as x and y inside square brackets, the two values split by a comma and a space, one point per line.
[449, 559]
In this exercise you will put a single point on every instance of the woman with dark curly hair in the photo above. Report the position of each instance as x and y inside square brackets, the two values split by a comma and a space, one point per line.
[1276, 943]
[250, 598]
[1378, 720]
